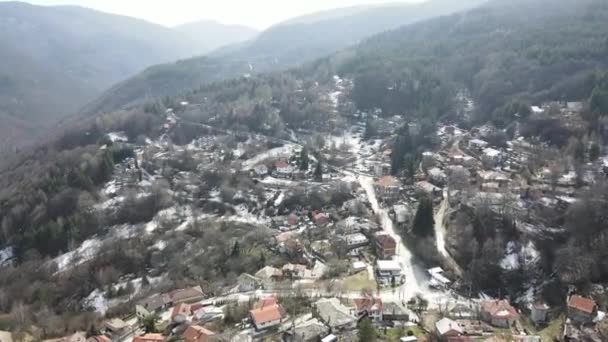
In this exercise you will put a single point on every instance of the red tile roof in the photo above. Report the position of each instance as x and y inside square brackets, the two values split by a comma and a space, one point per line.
[266, 314]
[281, 164]
[582, 304]
[368, 304]
[149, 338]
[499, 309]
[267, 301]
[181, 309]
[196, 333]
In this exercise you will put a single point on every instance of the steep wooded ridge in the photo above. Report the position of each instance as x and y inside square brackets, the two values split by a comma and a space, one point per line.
[56, 59]
[285, 45]
[502, 51]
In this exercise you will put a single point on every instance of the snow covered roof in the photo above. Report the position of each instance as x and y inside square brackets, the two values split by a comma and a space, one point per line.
[446, 325]
[388, 265]
[490, 152]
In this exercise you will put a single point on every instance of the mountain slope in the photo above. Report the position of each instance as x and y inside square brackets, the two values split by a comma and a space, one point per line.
[209, 35]
[56, 59]
[282, 46]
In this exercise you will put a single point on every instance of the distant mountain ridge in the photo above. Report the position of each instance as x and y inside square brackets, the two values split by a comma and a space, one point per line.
[55, 59]
[211, 35]
[282, 46]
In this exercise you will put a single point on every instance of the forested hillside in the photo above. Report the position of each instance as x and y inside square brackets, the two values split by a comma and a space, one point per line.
[56, 59]
[534, 50]
[280, 47]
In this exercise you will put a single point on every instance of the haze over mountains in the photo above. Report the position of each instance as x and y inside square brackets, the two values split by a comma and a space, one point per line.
[285, 45]
[56, 59]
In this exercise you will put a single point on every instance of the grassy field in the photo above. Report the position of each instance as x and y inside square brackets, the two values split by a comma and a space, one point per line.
[358, 282]
[553, 330]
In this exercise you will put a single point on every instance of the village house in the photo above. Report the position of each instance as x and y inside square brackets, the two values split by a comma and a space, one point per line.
[499, 313]
[149, 338]
[246, 282]
[388, 271]
[478, 144]
[208, 314]
[309, 331]
[355, 240]
[581, 310]
[335, 315]
[385, 246]
[382, 169]
[402, 214]
[269, 273]
[187, 295]
[266, 316]
[387, 188]
[116, 327]
[447, 328]
[196, 333]
[181, 312]
[538, 313]
[358, 266]
[429, 188]
[152, 305]
[284, 170]
[294, 271]
[368, 306]
[491, 157]
[394, 311]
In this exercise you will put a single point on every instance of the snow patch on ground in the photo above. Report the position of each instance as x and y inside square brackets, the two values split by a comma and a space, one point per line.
[279, 152]
[6, 254]
[516, 254]
[244, 216]
[118, 137]
[279, 199]
[87, 250]
[97, 299]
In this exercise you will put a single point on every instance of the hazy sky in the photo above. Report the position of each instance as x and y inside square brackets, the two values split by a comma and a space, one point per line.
[255, 13]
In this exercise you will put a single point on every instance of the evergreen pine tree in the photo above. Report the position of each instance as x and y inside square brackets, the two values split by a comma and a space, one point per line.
[370, 129]
[304, 160]
[424, 222]
[318, 172]
[594, 152]
[366, 333]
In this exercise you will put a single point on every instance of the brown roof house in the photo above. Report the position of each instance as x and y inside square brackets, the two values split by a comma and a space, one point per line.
[386, 246]
[196, 333]
[499, 313]
[187, 295]
[581, 310]
[152, 305]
